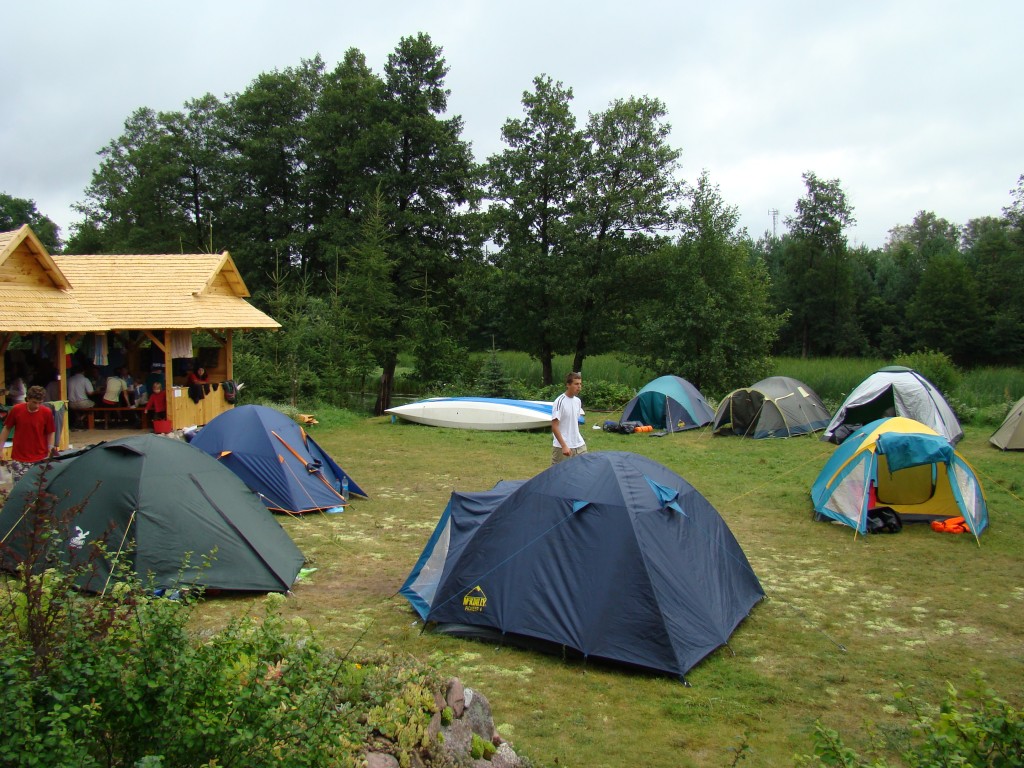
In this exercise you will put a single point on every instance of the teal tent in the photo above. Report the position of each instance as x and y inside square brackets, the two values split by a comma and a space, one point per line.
[161, 509]
[670, 403]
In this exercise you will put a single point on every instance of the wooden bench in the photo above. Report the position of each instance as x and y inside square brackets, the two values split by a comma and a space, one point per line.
[106, 410]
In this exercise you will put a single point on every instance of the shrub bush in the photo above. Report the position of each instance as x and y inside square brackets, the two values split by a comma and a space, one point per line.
[978, 729]
[937, 367]
[118, 680]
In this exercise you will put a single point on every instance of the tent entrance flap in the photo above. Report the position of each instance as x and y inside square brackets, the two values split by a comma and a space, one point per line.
[880, 407]
[912, 485]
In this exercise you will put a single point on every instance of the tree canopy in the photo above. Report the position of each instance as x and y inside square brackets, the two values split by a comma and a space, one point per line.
[356, 212]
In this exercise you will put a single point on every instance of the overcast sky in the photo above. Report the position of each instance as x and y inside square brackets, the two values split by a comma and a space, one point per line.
[911, 105]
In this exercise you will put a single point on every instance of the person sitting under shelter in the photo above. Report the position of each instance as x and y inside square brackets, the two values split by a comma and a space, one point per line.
[116, 391]
[16, 388]
[80, 394]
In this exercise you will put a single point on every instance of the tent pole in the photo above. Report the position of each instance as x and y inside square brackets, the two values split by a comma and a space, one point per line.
[4, 539]
[120, 547]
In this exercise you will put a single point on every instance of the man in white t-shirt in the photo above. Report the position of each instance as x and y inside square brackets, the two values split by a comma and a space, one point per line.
[80, 394]
[565, 421]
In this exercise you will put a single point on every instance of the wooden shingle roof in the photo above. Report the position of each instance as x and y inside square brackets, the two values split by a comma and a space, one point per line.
[173, 291]
[44, 293]
[35, 296]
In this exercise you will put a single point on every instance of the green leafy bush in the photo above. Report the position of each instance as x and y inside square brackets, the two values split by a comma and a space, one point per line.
[978, 729]
[118, 679]
[937, 367]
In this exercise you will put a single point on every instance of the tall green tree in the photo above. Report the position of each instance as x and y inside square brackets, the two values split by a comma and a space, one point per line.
[157, 188]
[270, 217]
[347, 145]
[133, 203]
[928, 235]
[817, 289]
[702, 308]
[532, 186]
[945, 311]
[16, 212]
[425, 179]
[368, 294]
[197, 137]
[628, 188]
[996, 258]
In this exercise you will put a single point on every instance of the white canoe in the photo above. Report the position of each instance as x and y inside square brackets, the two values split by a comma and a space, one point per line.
[486, 413]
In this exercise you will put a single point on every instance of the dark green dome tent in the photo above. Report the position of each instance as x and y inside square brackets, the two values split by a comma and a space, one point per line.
[670, 403]
[155, 503]
[774, 407]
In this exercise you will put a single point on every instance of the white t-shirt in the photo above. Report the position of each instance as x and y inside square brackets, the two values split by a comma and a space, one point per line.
[115, 386]
[78, 388]
[567, 410]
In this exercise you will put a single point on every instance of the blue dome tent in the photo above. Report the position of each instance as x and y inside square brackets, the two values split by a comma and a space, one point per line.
[610, 554]
[670, 403]
[275, 457]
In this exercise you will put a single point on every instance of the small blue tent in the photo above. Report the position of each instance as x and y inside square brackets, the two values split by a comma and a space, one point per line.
[609, 554]
[670, 403]
[276, 458]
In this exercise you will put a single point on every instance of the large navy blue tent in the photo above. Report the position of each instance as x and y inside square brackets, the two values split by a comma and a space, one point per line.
[275, 457]
[670, 403]
[609, 554]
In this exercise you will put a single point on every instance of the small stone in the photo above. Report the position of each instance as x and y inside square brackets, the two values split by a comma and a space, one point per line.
[381, 760]
[456, 697]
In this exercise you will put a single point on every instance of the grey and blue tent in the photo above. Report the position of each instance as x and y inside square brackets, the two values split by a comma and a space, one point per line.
[670, 403]
[894, 391]
[276, 457]
[153, 507]
[778, 406]
[610, 555]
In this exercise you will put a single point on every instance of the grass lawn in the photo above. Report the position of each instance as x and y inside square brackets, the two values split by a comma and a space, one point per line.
[846, 619]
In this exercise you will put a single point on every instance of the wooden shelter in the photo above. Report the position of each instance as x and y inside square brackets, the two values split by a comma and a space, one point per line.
[159, 301]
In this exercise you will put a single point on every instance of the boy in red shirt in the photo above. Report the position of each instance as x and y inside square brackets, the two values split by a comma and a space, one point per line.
[157, 402]
[33, 432]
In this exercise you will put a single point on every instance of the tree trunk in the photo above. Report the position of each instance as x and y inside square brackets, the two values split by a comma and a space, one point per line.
[577, 361]
[387, 380]
[545, 365]
[581, 340]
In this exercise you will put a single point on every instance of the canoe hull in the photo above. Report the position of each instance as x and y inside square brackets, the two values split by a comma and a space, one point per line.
[482, 413]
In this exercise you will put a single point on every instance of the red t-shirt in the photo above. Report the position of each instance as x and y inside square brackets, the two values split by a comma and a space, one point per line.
[31, 432]
[157, 402]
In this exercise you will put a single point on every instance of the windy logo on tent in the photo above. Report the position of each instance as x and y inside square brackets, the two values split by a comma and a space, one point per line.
[474, 601]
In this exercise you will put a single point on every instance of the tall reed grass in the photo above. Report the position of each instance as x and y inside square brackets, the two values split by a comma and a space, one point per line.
[983, 394]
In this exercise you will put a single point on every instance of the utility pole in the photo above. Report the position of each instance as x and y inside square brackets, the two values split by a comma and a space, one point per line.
[774, 213]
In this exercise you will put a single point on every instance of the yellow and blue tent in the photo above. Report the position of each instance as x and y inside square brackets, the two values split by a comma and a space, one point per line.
[901, 464]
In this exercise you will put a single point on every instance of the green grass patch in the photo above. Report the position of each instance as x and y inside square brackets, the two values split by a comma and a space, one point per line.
[846, 620]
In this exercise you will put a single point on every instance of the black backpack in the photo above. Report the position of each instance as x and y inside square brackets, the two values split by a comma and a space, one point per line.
[230, 391]
[884, 520]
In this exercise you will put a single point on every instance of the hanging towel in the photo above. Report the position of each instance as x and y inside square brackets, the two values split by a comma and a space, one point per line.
[99, 351]
[181, 343]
